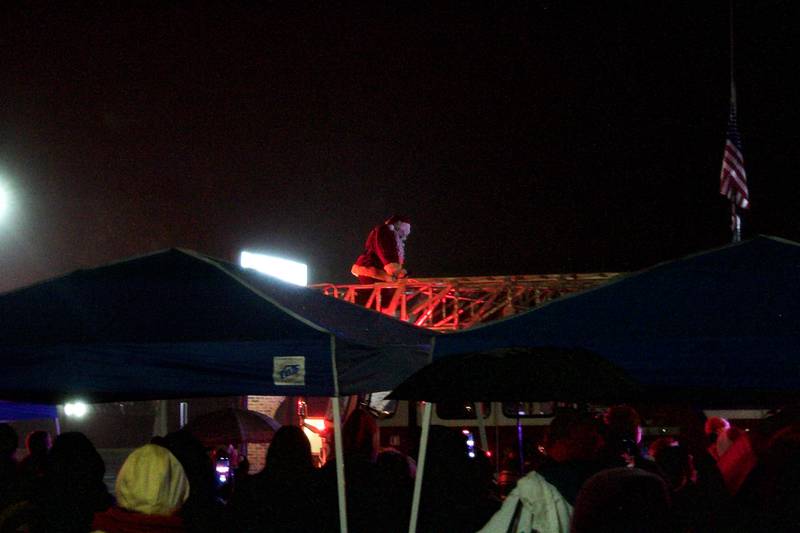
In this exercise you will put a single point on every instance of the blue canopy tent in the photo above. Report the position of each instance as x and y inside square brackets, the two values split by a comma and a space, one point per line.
[180, 324]
[719, 327]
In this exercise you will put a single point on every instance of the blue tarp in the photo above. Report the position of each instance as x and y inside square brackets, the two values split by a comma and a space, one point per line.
[179, 324]
[721, 326]
[26, 411]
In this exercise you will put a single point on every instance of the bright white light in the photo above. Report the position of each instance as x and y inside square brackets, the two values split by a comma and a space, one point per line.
[289, 271]
[5, 200]
[76, 409]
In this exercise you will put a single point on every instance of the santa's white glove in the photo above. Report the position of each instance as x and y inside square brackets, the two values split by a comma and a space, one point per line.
[395, 270]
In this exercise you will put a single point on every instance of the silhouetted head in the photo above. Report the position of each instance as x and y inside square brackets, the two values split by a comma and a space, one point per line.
[74, 457]
[360, 435]
[622, 500]
[574, 435]
[395, 465]
[623, 424]
[197, 465]
[289, 454]
[38, 442]
[676, 463]
[9, 440]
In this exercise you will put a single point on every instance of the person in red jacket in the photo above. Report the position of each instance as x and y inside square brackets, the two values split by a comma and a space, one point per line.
[384, 252]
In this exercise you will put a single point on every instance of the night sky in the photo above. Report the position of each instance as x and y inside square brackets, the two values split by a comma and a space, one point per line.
[520, 137]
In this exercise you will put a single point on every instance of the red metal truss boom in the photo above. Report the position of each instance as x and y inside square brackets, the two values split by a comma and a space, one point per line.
[446, 304]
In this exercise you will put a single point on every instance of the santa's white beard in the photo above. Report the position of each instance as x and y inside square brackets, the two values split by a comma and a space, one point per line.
[400, 232]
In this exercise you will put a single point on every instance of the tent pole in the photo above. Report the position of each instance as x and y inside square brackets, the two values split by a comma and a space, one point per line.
[496, 444]
[520, 443]
[423, 448]
[160, 421]
[481, 426]
[337, 441]
[338, 445]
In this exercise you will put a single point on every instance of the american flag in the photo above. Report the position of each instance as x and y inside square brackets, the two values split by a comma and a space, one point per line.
[733, 179]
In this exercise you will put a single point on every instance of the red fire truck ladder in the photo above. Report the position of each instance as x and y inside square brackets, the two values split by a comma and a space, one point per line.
[447, 304]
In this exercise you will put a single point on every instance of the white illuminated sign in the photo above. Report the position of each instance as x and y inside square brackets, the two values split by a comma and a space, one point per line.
[284, 269]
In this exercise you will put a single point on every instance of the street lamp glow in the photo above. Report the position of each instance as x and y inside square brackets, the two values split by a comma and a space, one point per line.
[76, 409]
[284, 269]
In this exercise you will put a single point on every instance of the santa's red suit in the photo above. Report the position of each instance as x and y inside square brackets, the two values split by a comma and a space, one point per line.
[384, 252]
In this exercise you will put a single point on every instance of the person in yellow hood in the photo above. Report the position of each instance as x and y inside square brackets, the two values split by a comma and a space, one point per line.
[151, 487]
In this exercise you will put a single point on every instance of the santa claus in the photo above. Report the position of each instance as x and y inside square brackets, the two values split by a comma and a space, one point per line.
[384, 252]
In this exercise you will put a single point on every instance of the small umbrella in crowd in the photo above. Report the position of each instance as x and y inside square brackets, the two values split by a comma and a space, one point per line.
[232, 426]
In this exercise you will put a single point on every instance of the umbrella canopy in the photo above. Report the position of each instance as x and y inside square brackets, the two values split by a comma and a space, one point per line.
[232, 426]
[514, 374]
[719, 327]
[178, 324]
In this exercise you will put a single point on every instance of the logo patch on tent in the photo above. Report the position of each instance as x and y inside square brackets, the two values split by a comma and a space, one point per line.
[289, 370]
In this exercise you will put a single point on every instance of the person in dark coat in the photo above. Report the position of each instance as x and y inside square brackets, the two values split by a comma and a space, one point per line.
[202, 512]
[33, 466]
[283, 496]
[623, 439]
[365, 488]
[691, 508]
[73, 488]
[623, 500]
[456, 488]
[9, 440]
[397, 476]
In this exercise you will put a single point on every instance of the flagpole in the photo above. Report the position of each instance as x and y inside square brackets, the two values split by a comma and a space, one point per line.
[733, 177]
[736, 223]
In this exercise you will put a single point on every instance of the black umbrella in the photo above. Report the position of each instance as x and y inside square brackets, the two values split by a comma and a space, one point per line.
[514, 374]
[232, 426]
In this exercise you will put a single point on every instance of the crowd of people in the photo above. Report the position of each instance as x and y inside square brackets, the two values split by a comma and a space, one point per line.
[595, 476]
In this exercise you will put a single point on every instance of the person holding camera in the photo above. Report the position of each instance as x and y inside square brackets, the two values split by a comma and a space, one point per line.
[623, 439]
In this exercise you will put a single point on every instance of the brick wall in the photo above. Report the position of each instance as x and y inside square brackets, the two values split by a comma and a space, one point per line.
[268, 405]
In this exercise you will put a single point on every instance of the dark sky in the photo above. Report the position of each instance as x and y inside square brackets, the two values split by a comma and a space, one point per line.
[520, 137]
